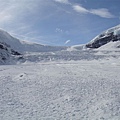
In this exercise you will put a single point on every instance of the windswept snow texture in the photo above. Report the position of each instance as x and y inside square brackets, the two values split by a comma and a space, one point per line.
[84, 90]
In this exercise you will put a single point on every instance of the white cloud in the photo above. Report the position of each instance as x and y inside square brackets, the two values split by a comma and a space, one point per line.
[80, 9]
[9, 10]
[102, 12]
[61, 31]
[14, 14]
[62, 1]
[6, 14]
[4, 17]
[58, 30]
[67, 42]
[15, 9]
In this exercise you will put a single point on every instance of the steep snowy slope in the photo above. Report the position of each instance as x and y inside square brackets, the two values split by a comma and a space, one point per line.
[111, 46]
[112, 34]
[10, 47]
[22, 46]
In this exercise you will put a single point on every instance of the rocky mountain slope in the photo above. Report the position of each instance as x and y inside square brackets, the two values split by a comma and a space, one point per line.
[110, 35]
[6, 53]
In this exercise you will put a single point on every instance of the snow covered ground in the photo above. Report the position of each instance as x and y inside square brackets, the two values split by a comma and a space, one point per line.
[66, 90]
[59, 83]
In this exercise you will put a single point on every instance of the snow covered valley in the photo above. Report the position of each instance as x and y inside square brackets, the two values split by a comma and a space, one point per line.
[41, 82]
[66, 90]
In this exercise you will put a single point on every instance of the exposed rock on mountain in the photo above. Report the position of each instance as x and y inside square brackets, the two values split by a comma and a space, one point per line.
[112, 34]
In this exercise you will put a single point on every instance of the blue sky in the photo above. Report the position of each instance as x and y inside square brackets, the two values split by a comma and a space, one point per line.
[58, 22]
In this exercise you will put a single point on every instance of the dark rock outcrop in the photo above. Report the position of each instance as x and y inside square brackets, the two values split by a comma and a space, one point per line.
[112, 34]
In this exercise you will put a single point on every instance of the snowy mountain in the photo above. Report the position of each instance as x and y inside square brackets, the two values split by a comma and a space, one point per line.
[110, 35]
[10, 46]
[24, 46]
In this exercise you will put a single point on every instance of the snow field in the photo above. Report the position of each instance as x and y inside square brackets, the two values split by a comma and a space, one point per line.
[81, 90]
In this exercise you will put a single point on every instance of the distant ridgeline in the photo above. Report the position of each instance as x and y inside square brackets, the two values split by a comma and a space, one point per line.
[112, 34]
